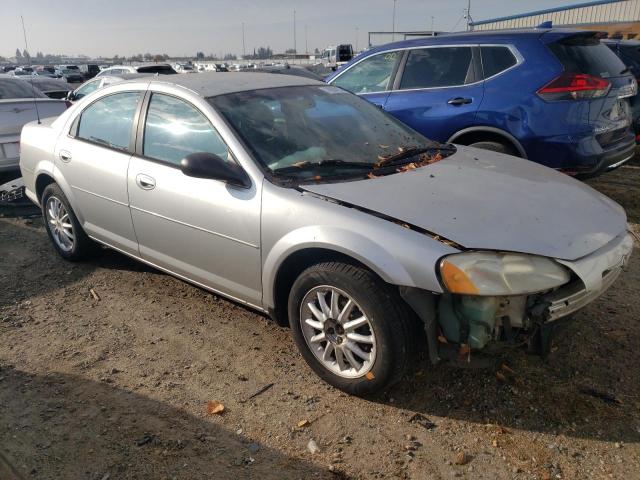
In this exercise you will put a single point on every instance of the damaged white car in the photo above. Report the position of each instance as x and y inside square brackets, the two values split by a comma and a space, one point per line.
[308, 203]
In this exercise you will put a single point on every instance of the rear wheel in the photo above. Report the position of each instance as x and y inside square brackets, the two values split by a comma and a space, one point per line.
[352, 329]
[62, 225]
[496, 147]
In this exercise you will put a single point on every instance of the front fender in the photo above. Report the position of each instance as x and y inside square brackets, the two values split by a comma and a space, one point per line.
[349, 243]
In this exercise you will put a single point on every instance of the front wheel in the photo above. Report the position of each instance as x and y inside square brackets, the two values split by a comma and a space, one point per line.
[352, 329]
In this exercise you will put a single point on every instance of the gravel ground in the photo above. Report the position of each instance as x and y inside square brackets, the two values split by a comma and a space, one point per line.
[116, 384]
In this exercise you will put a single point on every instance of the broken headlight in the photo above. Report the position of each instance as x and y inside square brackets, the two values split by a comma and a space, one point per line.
[500, 273]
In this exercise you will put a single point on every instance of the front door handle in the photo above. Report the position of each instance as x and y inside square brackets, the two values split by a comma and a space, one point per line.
[65, 156]
[145, 182]
[457, 101]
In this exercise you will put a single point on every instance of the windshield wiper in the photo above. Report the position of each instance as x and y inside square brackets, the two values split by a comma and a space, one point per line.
[411, 152]
[331, 162]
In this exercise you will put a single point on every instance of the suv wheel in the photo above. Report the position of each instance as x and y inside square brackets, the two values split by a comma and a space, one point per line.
[352, 329]
[496, 147]
[64, 230]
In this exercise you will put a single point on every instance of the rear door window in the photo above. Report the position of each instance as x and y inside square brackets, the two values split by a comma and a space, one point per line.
[581, 54]
[496, 60]
[372, 74]
[109, 121]
[437, 67]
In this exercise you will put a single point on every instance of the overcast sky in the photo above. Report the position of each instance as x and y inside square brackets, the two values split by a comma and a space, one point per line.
[183, 27]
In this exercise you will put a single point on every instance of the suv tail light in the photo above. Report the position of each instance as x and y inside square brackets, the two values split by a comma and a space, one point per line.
[575, 86]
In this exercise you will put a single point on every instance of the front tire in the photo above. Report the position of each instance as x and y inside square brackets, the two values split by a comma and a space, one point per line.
[63, 227]
[496, 147]
[352, 328]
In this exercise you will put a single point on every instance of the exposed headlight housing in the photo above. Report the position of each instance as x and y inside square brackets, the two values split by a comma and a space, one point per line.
[500, 273]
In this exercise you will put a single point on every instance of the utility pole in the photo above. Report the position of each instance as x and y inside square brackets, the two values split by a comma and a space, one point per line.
[468, 14]
[244, 53]
[306, 43]
[357, 35]
[295, 49]
[393, 31]
[432, 32]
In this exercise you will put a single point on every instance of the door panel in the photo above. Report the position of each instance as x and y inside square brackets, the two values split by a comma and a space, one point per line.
[201, 229]
[437, 93]
[97, 174]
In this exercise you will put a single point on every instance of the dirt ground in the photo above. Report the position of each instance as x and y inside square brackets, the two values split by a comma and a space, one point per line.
[116, 385]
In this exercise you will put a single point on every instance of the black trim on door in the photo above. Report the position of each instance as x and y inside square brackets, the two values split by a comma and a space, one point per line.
[398, 71]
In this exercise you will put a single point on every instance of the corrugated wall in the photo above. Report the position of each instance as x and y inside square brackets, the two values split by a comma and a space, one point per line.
[625, 11]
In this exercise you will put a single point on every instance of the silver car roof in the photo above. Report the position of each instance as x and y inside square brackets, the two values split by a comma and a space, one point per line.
[211, 84]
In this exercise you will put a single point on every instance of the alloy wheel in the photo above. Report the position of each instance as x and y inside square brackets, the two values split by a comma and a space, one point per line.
[338, 332]
[60, 224]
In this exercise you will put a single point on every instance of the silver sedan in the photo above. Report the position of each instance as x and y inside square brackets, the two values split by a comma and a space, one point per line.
[308, 203]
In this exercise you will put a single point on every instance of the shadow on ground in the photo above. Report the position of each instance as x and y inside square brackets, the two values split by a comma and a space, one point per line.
[112, 433]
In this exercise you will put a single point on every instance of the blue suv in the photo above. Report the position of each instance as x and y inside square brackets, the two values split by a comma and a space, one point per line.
[558, 97]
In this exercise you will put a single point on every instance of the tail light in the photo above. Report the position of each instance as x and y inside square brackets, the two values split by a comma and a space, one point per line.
[574, 86]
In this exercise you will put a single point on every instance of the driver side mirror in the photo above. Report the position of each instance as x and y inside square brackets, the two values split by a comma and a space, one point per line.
[71, 96]
[211, 166]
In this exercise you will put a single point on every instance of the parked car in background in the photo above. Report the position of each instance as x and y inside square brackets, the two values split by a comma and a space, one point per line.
[629, 52]
[18, 102]
[51, 87]
[89, 70]
[555, 96]
[184, 68]
[7, 68]
[47, 71]
[70, 75]
[97, 83]
[306, 202]
[336, 56]
[20, 72]
[159, 68]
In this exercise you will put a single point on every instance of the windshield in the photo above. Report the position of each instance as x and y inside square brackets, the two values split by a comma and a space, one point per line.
[313, 133]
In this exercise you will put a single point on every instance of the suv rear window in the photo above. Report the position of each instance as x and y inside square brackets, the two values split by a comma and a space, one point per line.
[496, 60]
[587, 55]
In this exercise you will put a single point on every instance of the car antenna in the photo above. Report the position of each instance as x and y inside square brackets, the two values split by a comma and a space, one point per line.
[33, 89]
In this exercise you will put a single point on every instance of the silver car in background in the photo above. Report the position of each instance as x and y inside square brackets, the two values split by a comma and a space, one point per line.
[18, 102]
[305, 202]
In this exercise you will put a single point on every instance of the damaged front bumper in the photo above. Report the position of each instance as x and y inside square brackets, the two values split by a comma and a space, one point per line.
[465, 323]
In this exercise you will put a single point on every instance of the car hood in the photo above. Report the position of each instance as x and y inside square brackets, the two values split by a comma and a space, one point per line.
[486, 200]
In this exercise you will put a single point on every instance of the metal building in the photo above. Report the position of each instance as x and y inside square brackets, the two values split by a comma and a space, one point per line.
[619, 18]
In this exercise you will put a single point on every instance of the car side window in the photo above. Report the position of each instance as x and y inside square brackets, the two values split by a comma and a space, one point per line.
[86, 89]
[496, 60]
[175, 129]
[437, 67]
[109, 121]
[370, 75]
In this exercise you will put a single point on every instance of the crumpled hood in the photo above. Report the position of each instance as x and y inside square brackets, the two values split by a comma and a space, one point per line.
[486, 200]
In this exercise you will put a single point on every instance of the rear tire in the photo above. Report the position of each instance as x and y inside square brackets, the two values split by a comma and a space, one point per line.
[63, 227]
[496, 147]
[385, 336]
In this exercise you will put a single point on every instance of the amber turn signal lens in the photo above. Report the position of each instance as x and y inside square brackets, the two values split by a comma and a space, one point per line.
[456, 280]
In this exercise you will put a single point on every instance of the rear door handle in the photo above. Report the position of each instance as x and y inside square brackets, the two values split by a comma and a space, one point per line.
[65, 156]
[145, 182]
[457, 101]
